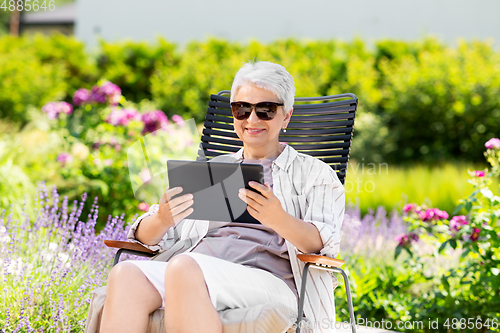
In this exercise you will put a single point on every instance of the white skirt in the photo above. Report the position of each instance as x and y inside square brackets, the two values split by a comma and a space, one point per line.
[230, 285]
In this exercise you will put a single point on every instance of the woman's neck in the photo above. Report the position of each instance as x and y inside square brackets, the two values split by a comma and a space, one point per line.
[260, 154]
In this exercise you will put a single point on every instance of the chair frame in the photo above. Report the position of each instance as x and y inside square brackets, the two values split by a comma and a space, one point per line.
[342, 110]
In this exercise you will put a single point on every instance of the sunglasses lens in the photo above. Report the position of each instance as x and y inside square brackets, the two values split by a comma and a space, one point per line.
[241, 110]
[264, 110]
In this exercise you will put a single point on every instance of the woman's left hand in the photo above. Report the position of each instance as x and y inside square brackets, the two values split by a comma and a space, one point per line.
[264, 207]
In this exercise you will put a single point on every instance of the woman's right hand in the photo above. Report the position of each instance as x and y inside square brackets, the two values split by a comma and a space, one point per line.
[172, 210]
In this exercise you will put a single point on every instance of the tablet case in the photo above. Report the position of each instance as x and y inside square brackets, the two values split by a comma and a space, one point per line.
[215, 187]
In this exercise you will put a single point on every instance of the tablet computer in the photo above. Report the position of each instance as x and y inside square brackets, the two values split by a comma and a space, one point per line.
[215, 187]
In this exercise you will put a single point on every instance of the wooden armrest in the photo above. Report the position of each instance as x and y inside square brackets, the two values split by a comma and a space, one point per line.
[320, 260]
[128, 246]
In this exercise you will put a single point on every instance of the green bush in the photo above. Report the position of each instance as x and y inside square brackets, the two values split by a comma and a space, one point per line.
[35, 70]
[419, 101]
[132, 64]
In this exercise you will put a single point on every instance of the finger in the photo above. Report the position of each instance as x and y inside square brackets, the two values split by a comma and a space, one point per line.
[263, 189]
[169, 193]
[249, 197]
[179, 200]
[180, 208]
[183, 215]
[253, 212]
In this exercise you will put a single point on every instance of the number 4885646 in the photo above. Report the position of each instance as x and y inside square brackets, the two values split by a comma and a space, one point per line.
[27, 5]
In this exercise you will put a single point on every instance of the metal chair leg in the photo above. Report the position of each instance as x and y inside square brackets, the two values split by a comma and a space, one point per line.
[347, 289]
[302, 296]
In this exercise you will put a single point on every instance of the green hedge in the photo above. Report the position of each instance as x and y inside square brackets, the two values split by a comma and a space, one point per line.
[419, 101]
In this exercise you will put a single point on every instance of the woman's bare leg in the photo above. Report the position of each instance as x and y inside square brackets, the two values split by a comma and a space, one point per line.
[130, 298]
[188, 307]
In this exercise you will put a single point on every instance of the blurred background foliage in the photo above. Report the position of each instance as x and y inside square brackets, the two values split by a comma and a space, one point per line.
[425, 109]
[420, 101]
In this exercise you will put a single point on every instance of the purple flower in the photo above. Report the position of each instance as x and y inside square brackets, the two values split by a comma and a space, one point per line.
[479, 173]
[457, 222]
[154, 120]
[493, 143]
[113, 92]
[122, 117]
[409, 207]
[178, 120]
[81, 96]
[64, 158]
[98, 95]
[405, 240]
[52, 109]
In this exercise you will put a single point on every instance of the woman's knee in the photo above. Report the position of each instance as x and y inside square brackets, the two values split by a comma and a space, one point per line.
[124, 274]
[183, 269]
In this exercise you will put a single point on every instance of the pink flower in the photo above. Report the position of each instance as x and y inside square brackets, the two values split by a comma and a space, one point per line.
[178, 120]
[64, 158]
[81, 96]
[405, 240]
[433, 214]
[493, 143]
[154, 120]
[475, 234]
[409, 207]
[98, 95]
[143, 207]
[112, 92]
[122, 117]
[52, 109]
[479, 173]
[457, 222]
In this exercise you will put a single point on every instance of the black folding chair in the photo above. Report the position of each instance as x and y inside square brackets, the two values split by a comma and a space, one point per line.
[320, 126]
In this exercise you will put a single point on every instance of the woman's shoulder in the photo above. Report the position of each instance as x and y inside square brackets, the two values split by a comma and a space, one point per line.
[315, 169]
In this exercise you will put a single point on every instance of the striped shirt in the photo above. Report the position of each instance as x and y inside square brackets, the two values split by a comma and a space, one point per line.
[308, 189]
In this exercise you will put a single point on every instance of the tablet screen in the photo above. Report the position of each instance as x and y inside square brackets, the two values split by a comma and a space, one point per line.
[215, 187]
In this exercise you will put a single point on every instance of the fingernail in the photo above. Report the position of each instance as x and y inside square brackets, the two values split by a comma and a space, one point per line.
[251, 182]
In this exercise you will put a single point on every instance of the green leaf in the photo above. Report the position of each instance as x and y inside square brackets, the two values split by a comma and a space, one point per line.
[453, 243]
[443, 246]
[457, 209]
[468, 206]
[398, 252]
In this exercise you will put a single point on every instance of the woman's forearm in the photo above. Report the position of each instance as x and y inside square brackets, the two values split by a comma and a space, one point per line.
[303, 235]
[151, 230]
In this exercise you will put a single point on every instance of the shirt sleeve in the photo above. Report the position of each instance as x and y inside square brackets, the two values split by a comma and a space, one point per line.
[164, 242]
[325, 207]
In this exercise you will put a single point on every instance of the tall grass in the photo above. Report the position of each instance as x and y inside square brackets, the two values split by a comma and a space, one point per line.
[372, 185]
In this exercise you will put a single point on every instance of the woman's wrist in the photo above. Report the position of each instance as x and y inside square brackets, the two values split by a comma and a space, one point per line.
[151, 229]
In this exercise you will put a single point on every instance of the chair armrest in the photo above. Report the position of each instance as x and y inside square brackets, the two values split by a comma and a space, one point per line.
[128, 246]
[320, 260]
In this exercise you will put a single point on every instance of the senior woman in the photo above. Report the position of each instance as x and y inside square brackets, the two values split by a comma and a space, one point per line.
[210, 266]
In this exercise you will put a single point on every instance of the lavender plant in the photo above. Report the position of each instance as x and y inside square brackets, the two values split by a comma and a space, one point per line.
[49, 266]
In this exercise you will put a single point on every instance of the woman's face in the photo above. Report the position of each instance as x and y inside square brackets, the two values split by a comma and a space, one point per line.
[254, 132]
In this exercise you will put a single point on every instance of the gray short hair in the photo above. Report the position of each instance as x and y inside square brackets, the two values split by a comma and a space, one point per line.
[269, 76]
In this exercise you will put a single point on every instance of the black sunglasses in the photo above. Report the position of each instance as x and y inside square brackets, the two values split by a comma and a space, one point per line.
[264, 110]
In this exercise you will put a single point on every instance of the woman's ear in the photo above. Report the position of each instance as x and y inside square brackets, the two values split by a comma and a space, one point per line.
[288, 116]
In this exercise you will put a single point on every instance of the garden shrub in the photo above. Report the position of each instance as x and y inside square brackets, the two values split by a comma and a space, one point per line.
[131, 65]
[37, 69]
[36, 84]
[419, 101]
[441, 103]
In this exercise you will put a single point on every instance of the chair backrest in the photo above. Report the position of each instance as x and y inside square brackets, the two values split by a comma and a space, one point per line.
[320, 126]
